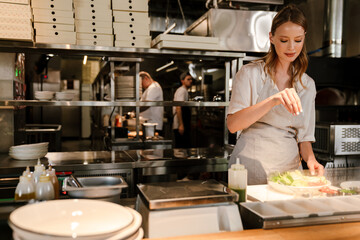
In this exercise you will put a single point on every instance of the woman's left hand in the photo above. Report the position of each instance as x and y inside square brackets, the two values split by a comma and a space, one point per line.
[314, 166]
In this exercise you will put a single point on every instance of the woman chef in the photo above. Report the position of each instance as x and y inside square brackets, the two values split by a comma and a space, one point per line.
[273, 104]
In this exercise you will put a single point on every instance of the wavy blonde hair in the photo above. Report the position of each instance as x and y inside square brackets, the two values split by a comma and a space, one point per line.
[297, 68]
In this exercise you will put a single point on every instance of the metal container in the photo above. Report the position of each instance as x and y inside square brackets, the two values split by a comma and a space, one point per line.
[337, 139]
[300, 212]
[106, 188]
[149, 130]
[237, 30]
[185, 194]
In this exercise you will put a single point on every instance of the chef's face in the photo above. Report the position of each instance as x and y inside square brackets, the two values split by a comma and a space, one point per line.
[145, 82]
[187, 81]
[288, 41]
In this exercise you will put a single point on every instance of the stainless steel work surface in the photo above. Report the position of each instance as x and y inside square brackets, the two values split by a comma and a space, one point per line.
[187, 193]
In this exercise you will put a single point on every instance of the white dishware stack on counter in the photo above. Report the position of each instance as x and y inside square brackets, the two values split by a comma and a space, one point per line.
[76, 218]
[42, 184]
[131, 23]
[54, 21]
[44, 95]
[29, 151]
[93, 22]
[15, 20]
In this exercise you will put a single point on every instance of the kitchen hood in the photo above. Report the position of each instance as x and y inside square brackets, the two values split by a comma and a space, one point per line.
[237, 30]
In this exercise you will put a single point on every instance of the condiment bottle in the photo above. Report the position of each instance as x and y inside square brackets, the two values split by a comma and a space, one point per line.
[44, 188]
[54, 180]
[237, 175]
[39, 168]
[29, 175]
[25, 189]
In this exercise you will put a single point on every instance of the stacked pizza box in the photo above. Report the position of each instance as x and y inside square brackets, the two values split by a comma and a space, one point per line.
[54, 21]
[131, 23]
[93, 22]
[16, 20]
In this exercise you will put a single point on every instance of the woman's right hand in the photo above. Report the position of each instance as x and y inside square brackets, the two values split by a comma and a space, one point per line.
[290, 99]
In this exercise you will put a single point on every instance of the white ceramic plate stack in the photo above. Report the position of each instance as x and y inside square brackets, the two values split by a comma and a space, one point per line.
[76, 218]
[29, 151]
[125, 87]
[64, 96]
[44, 95]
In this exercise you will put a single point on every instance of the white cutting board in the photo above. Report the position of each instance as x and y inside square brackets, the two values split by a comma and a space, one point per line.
[264, 193]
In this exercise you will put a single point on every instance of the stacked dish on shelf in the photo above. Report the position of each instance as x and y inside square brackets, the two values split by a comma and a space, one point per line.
[75, 218]
[29, 151]
[44, 95]
[64, 96]
[125, 87]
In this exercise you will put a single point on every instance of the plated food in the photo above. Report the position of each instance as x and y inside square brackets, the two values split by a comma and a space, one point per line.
[293, 182]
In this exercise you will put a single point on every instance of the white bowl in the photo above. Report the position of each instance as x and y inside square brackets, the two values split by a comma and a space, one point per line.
[28, 156]
[70, 218]
[32, 145]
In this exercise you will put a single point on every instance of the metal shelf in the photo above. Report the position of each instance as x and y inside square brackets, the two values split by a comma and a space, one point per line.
[13, 46]
[109, 103]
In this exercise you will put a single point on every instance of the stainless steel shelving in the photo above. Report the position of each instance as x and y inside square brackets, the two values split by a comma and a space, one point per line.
[108, 103]
[13, 46]
[232, 62]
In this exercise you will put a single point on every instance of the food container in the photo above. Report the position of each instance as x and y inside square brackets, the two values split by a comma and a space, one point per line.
[106, 188]
[149, 130]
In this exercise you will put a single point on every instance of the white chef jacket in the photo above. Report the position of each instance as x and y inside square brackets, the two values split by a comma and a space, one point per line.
[153, 114]
[271, 143]
[181, 94]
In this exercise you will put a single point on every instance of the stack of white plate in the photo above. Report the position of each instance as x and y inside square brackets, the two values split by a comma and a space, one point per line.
[44, 95]
[125, 87]
[75, 219]
[64, 96]
[29, 151]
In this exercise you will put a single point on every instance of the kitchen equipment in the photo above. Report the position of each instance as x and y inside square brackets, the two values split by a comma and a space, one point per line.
[238, 30]
[337, 138]
[106, 188]
[337, 144]
[149, 130]
[75, 218]
[185, 208]
[300, 212]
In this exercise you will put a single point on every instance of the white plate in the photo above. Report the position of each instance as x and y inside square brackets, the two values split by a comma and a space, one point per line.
[295, 190]
[350, 185]
[131, 230]
[83, 218]
[31, 146]
[27, 156]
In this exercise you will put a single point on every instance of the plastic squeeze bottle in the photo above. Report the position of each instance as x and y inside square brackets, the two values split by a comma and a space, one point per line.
[44, 188]
[39, 168]
[54, 180]
[237, 175]
[25, 189]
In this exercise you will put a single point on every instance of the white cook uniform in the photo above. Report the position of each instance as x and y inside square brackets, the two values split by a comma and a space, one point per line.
[153, 114]
[181, 94]
[271, 143]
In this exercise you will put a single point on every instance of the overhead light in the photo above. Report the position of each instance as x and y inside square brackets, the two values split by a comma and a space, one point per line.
[171, 69]
[85, 60]
[200, 77]
[165, 66]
